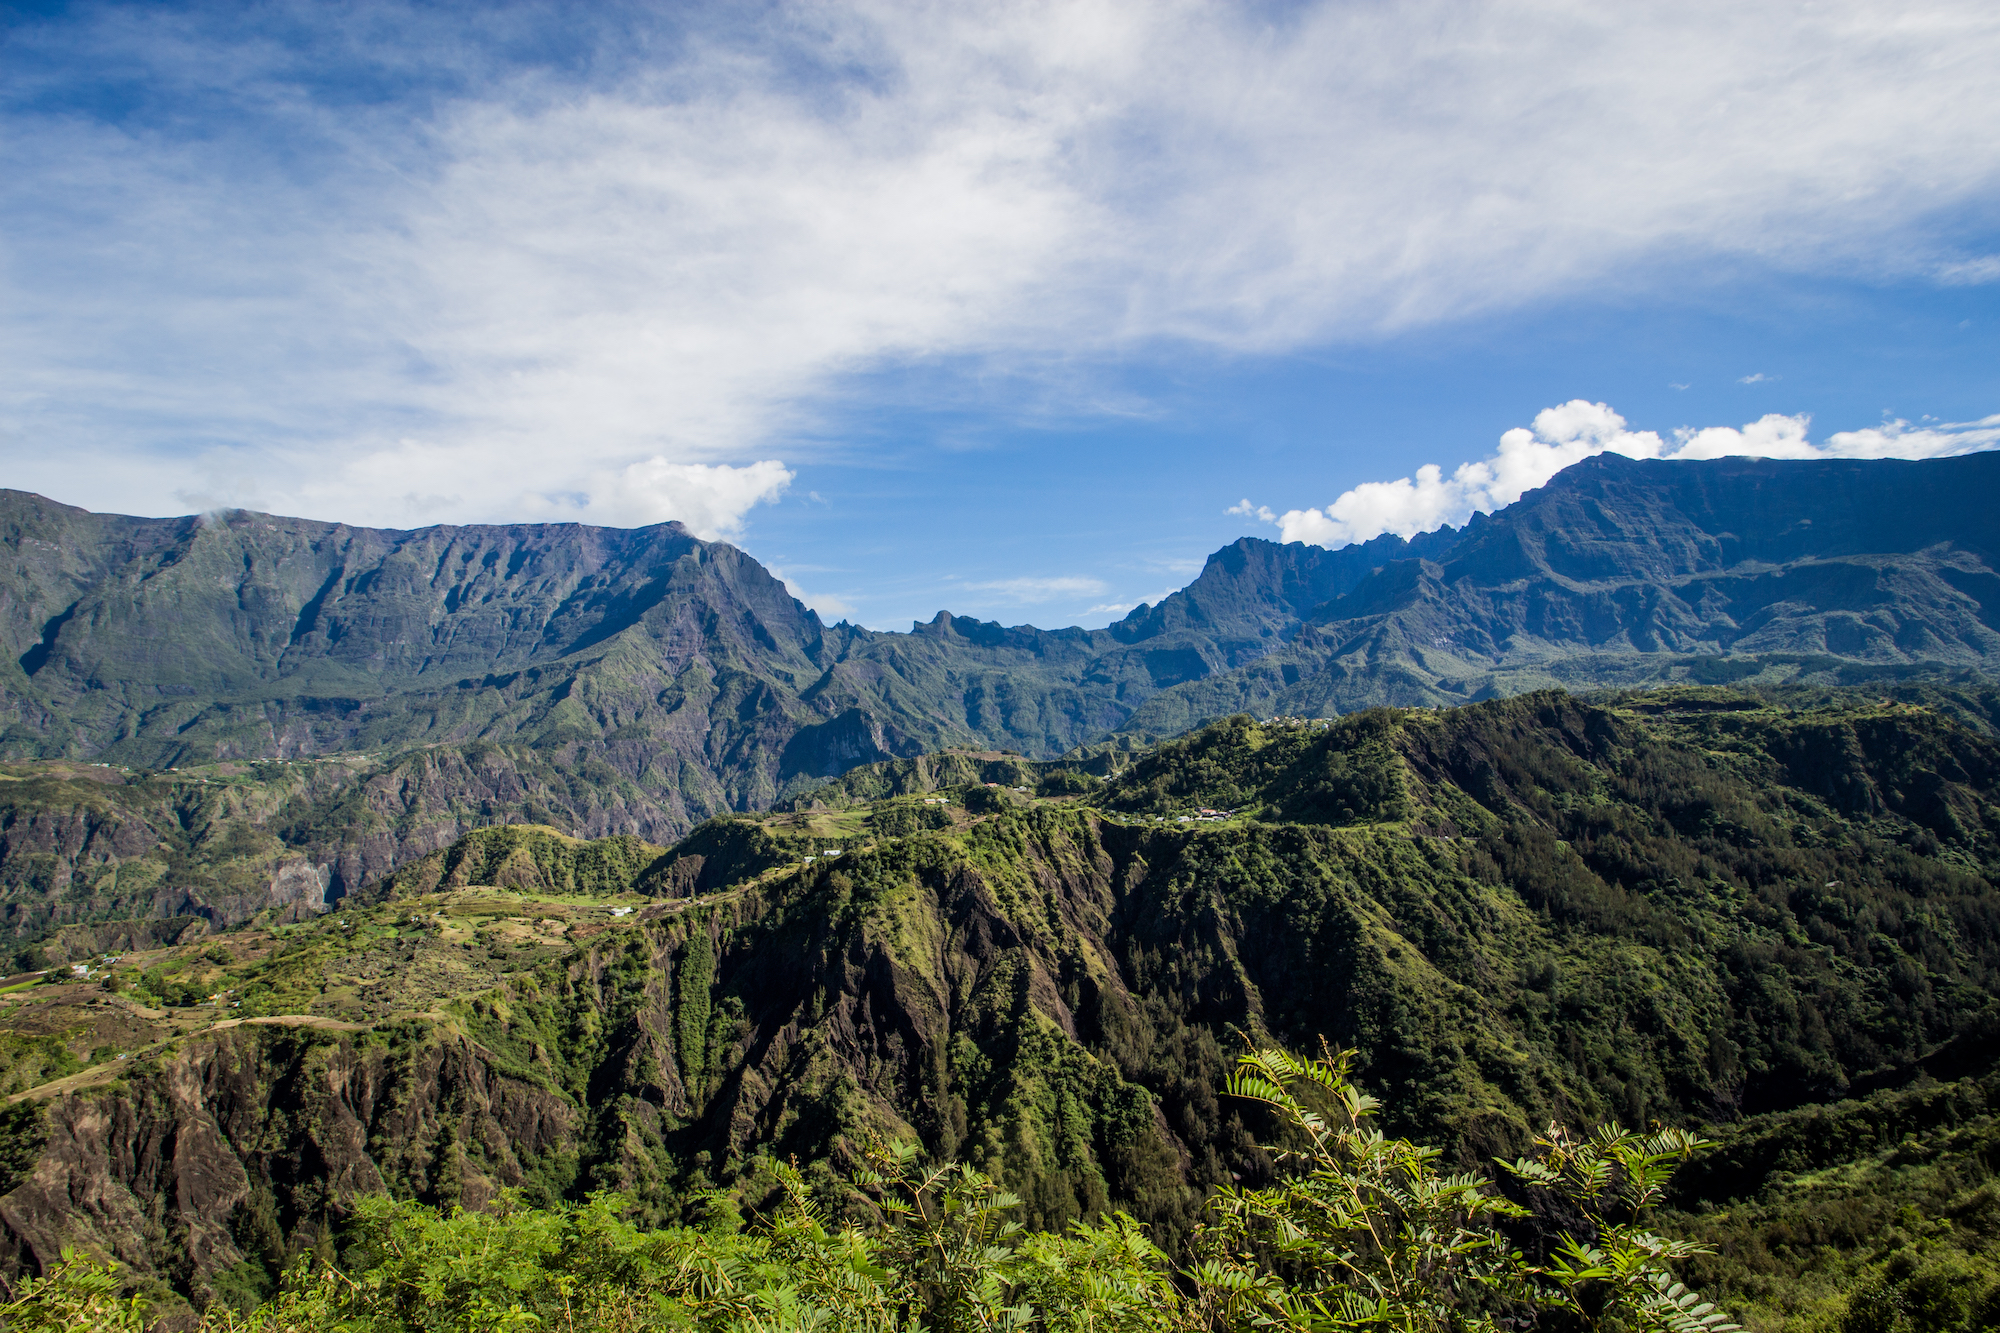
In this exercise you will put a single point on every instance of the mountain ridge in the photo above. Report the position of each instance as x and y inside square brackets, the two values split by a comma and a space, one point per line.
[324, 621]
[1620, 571]
[638, 681]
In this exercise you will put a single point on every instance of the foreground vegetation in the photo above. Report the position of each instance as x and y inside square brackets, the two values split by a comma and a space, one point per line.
[1363, 1232]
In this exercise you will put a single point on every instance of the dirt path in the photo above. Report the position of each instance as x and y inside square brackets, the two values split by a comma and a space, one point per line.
[104, 1073]
[91, 1077]
[288, 1020]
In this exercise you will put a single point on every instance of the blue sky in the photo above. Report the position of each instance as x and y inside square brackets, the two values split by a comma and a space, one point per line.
[1003, 309]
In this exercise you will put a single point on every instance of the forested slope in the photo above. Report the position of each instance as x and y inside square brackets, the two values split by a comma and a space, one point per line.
[681, 666]
[1688, 906]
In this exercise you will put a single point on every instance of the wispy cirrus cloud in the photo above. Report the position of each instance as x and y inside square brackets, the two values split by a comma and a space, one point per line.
[1528, 457]
[393, 263]
[1120, 608]
[1030, 589]
[1970, 272]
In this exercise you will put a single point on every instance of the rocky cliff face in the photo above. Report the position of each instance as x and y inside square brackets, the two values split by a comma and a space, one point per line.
[233, 1148]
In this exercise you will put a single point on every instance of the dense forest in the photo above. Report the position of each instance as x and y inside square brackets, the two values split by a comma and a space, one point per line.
[1764, 918]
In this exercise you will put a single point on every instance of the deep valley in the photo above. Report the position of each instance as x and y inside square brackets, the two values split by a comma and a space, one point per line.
[503, 867]
[1697, 905]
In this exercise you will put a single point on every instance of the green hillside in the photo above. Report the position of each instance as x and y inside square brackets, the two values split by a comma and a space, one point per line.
[85, 845]
[1692, 906]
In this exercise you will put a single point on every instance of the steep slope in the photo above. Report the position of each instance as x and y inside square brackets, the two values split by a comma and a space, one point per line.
[335, 702]
[222, 843]
[1686, 905]
[154, 641]
[1869, 1207]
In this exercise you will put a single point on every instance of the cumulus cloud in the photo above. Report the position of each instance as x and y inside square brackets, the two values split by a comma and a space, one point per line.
[711, 498]
[493, 287]
[1528, 457]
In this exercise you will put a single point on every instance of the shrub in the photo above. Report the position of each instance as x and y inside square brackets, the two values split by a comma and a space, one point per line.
[1362, 1233]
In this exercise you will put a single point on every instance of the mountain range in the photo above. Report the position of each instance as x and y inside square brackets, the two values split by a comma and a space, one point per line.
[606, 681]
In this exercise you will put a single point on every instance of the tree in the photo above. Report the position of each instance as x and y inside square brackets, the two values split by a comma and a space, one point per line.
[76, 1293]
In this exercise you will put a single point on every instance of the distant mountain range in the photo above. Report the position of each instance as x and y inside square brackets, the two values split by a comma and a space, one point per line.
[1623, 572]
[638, 681]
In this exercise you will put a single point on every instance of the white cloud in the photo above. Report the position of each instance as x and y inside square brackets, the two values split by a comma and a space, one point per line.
[1770, 436]
[711, 499]
[1120, 608]
[1970, 272]
[830, 607]
[522, 289]
[1026, 590]
[1759, 378]
[1899, 439]
[1575, 431]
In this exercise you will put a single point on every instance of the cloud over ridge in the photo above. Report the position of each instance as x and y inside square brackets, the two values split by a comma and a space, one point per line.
[1560, 436]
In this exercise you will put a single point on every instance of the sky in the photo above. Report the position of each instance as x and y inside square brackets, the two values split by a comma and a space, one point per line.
[1016, 310]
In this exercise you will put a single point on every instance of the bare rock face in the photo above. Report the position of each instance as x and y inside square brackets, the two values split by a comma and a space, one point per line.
[301, 886]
